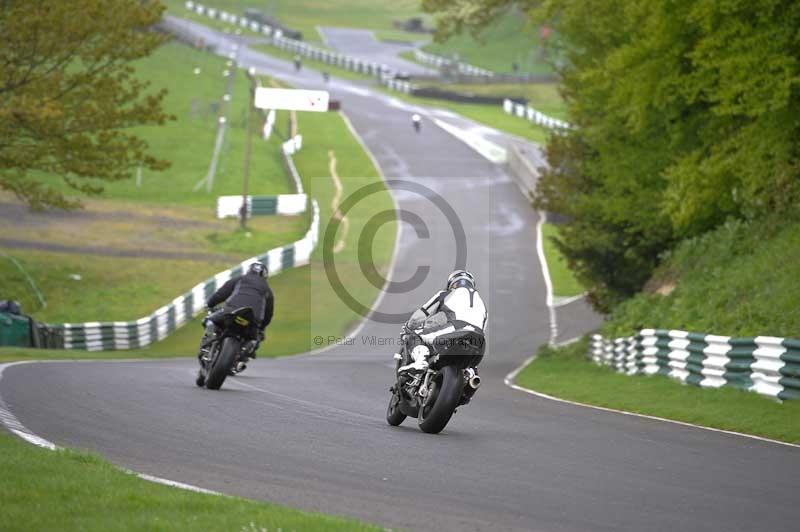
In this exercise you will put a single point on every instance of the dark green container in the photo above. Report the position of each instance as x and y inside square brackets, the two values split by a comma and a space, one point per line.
[15, 330]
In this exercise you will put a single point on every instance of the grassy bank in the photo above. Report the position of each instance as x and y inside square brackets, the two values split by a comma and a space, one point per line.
[71, 490]
[568, 374]
[738, 280]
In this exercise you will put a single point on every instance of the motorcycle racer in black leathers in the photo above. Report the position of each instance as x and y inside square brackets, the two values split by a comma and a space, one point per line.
[248, 290]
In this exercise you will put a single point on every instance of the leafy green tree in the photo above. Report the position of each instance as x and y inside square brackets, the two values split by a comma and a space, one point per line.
[69, 97]
[687, 113]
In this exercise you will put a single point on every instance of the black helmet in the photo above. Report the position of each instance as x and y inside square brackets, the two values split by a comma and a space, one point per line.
[460, 278]
[258, 269]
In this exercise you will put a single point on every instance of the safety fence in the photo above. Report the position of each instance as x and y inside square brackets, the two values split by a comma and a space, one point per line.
[766, 365]
[540, 119]
[381, 72]
[441, 62]
[282, 205]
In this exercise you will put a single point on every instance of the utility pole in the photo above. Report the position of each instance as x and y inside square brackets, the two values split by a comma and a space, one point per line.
[248, 147]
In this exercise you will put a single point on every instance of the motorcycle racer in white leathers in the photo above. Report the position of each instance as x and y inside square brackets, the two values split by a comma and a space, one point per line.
[459, 307]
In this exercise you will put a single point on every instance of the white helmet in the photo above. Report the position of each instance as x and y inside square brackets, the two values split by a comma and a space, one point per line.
[460, 278]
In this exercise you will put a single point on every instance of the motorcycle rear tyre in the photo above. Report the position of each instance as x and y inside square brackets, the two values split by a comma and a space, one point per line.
[446, 401]
[223, 363]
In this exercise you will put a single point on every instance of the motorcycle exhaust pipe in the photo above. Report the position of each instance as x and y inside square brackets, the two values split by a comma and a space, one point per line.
[473, 379]
[474, 382]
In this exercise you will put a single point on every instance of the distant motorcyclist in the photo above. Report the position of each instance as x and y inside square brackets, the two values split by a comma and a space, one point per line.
[298, 64]
[416, 121]
[459, 307]
[248, 290]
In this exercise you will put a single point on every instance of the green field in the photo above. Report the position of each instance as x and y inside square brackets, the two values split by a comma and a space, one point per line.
[73, 490]
[568, 374]
[306, 15]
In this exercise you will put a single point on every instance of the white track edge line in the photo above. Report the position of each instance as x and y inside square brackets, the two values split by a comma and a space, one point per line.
[547, 281]
[29, 436]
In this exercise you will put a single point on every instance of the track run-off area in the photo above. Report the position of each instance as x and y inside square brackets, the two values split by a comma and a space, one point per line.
[309, 431]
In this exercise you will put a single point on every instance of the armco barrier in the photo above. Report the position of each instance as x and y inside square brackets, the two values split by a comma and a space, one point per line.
[381, 72]
[766, 365]
[532, 115]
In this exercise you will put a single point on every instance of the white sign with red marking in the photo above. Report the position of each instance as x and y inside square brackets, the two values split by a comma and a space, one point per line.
[291, 99]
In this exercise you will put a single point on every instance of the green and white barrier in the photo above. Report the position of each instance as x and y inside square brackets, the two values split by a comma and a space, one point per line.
[443, 62]
[532, 115]
[766, 365]
[381, 72]
[282, 205]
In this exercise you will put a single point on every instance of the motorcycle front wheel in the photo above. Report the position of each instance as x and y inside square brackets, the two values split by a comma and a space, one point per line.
[393, 414]
[444, 394]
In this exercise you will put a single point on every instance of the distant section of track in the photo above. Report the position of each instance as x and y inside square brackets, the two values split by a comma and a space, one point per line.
[309, 431]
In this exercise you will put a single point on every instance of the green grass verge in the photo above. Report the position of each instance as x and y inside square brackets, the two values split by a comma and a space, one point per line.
[564, 282]
[507, 40]
[567, 373]
[72, 490]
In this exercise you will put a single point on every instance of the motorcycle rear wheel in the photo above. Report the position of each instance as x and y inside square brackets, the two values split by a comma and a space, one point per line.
[222, 364]
[446, 394]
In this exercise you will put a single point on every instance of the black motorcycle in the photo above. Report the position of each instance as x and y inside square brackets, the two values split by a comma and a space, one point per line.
[450, 381]
[236, 340]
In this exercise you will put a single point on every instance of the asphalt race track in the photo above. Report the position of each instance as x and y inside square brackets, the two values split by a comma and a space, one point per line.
[309, 431]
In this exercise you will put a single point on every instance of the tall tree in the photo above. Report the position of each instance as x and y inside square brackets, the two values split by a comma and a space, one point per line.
[687, 113]
[69, 96]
